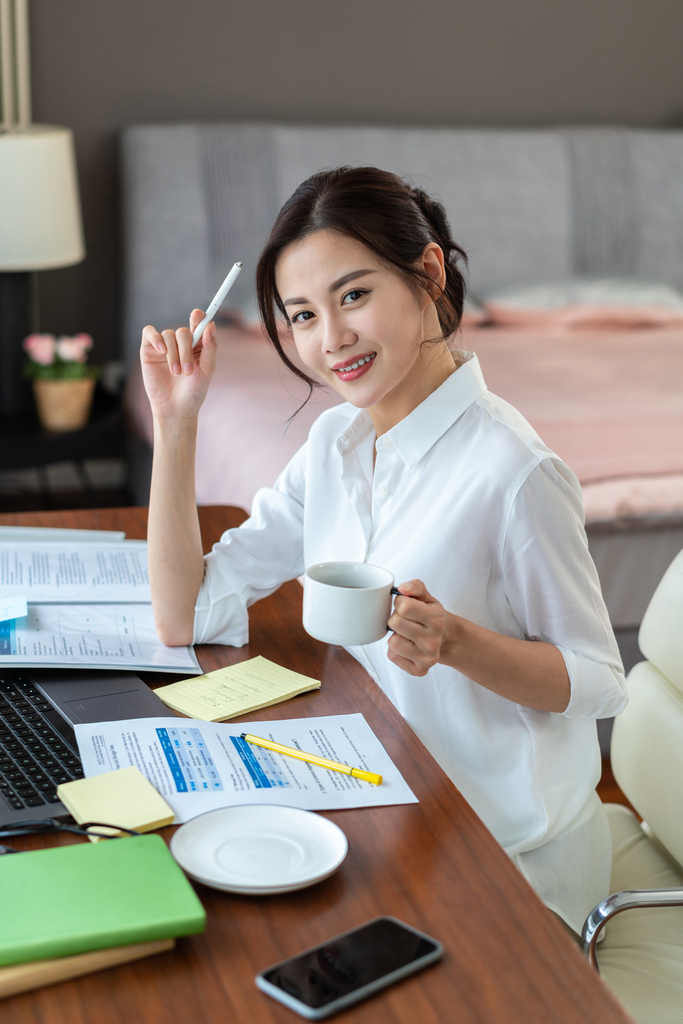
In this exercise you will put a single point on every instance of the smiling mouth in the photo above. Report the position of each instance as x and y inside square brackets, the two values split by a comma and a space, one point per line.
[356, 365]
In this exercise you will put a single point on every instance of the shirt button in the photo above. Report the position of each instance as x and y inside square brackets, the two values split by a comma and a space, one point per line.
[383, 490]
[387, 442]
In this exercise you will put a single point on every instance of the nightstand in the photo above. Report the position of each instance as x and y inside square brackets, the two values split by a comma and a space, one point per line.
[24, 443]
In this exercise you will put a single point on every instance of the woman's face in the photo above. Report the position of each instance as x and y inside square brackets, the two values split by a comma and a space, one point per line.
[358, 325]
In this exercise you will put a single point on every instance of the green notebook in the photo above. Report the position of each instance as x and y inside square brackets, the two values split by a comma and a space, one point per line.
[71, 899]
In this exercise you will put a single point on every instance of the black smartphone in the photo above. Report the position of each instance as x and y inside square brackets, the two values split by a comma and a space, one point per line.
[332, 976]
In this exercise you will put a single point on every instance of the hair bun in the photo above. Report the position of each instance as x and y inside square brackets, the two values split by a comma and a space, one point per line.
[436, 216]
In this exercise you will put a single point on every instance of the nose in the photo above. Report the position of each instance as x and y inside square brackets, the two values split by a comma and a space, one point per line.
[337, 334]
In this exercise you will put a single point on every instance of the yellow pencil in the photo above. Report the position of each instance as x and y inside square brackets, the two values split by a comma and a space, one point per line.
[322, 762]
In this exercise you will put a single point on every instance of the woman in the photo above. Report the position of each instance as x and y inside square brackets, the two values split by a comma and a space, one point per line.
[502, 655]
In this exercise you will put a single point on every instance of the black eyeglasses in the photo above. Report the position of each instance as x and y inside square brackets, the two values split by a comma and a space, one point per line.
[49, 826]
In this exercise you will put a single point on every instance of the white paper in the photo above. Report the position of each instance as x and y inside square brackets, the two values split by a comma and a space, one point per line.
[64, 535]
[13, 608]
[92, 636]
[67, 573]
[198, 766]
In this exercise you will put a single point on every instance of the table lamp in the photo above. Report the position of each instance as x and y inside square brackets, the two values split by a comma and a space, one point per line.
[40, 216]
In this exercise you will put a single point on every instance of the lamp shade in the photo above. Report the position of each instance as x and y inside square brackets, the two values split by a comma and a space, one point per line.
[40, 214]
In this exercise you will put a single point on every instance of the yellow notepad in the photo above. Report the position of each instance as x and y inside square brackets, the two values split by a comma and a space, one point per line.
[123, 798]
[236, 690]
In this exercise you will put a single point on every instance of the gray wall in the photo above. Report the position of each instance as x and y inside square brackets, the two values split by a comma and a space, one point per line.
[101, 64]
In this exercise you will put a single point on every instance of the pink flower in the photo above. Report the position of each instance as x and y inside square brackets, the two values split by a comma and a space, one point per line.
[74, 350]
[40, 348]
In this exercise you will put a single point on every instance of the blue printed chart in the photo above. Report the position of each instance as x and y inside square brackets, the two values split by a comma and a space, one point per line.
[189, 761]
[8, 637]
[260, 765]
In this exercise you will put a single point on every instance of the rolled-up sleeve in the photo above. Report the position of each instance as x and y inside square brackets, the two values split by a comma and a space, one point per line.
[554, 592]
[253, 560]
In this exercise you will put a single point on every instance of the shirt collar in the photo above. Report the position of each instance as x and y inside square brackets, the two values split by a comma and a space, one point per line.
[423, 427]
[357, 431]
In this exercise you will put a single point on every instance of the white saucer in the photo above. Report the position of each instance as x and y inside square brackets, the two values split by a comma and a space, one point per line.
[259, 849]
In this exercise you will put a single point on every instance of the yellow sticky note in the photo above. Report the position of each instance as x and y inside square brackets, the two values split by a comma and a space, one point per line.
[236, 690]
[122, 798]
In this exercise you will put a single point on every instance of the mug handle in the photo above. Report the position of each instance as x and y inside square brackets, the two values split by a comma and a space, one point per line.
[394, 591]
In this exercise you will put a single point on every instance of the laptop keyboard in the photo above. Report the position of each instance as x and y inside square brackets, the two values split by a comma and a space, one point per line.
[34, 755]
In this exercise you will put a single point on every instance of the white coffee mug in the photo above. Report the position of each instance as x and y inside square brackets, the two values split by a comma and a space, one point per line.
[347, 603]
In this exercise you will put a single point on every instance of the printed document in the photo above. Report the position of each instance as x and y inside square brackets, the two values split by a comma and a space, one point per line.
[92, 636]
[69, 573]
[57, 534]
[198, 766]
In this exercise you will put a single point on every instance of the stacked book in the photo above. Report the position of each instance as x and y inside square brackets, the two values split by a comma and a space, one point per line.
[70, 910]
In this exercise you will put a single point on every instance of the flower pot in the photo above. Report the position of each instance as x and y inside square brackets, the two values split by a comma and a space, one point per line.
[64, 405]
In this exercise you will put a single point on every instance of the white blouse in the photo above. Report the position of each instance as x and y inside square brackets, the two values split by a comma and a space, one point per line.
[465, 497]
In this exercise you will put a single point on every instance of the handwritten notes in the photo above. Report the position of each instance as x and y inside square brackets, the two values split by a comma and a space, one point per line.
[237, 690]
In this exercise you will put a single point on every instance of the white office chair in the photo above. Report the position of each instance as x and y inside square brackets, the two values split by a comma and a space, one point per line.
[641, 957]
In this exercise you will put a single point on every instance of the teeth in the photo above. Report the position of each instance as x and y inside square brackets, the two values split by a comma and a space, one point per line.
[354, 366]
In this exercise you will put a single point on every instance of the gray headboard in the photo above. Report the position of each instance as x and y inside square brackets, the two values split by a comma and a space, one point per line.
[527, 205]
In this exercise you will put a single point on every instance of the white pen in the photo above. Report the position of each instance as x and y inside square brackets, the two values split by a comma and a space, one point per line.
[216, 302]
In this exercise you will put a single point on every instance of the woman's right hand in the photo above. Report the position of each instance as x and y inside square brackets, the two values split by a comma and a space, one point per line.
[175, 375]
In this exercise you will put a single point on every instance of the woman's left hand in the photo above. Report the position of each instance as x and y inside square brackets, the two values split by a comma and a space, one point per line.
[425, 634]
[419, 623]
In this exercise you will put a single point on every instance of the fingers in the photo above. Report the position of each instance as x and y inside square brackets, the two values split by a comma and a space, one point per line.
[196, 317]
[206, 350]
[407, 664]
[417, 589]
[414, 609]
[415, 658]
[172, 356]
[408, 608]
[206, 341]
[185, 350]
[410, 629]
[423, 649]
[176, 347]
[152, 339]
[179, 351]
[418, 623]
[415, 604]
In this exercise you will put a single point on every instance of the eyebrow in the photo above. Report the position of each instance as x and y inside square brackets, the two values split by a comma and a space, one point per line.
[333, 287]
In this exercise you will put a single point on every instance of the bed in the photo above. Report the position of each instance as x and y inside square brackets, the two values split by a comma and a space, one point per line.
[528, 206]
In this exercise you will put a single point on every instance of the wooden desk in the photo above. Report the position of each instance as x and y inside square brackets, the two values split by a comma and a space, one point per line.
[433, 865]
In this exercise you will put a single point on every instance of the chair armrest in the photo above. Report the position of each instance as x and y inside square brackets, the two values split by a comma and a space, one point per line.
[615, 904]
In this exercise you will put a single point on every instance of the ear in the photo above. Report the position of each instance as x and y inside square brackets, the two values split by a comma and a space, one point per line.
[434, 266]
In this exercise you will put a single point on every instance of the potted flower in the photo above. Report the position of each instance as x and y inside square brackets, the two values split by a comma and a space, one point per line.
[62, 382]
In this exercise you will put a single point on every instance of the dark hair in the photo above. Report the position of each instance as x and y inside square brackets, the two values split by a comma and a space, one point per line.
[384, 213]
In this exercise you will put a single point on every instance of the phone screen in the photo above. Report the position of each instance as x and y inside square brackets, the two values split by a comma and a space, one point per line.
[349, 962]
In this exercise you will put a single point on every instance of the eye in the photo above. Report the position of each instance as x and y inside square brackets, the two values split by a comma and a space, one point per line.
[302, 316]
[353, 296]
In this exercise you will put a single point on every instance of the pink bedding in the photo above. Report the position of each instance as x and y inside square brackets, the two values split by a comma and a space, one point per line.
[609, 404]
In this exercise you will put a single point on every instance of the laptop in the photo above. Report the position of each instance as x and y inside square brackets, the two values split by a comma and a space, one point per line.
[38, 748]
